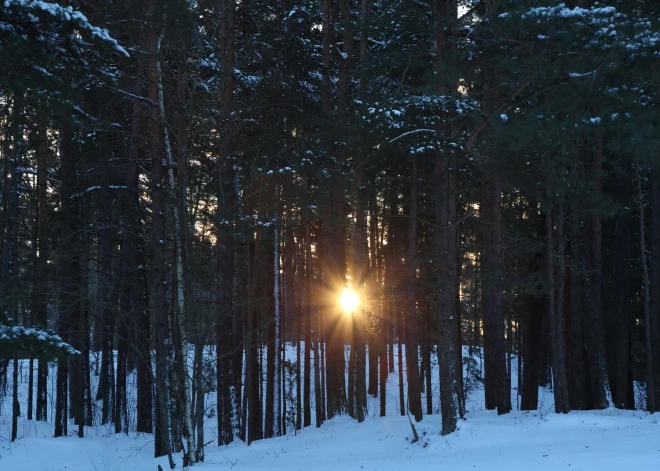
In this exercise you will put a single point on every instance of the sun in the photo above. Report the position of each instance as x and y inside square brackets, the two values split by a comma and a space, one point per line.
[349, 301]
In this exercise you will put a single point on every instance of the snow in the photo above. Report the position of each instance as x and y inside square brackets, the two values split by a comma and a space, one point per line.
[536, 440]
[519, 441]
[67, 14]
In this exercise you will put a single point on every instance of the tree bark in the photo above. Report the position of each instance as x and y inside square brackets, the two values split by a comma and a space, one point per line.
[67, 267]
[594, 336]
[620, 320]
[412, 365]
[445, 246]
[556, 309]
[654, 316]
[492, 274]
[308, 313]
[163, 445]
[577, 359]
[41, 304]
[650, 383]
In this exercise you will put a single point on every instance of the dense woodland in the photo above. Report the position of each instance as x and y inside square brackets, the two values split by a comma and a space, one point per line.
[192, 184]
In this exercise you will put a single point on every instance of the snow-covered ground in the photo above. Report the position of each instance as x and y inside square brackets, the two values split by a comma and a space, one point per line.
[539, 440]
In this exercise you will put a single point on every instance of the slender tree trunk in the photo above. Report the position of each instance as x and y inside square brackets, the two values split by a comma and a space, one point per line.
[199, 400]
[106, 380]
[654, 313]
[307, 314]
[30, 398]
[594, 336]
[532, 349]
[271, 342]
[383, 367]
[445, 240]
[131, 301]
[360, 274]
[252, 371]
[577, 360]
[620, 319]
[650, 383]
[276, 300]
[67, 271]
[163, 445]
[373, 343]
[400, 337]
[229, 365]
[300, 322]
[135, 302]
[412, 365]
[16, 406]
[556, 310]
[9, 297]
[492, 273]
[41, 304]
[180, 309]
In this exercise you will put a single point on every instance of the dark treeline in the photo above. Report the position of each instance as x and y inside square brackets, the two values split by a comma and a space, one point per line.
[188, 186]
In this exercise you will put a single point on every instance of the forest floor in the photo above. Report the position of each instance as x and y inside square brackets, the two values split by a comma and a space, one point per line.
[536, 440]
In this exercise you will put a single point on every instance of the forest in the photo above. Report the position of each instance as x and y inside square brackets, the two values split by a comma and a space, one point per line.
[256, 211]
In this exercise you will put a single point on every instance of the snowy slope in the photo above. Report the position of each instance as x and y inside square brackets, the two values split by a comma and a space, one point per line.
[539, 440]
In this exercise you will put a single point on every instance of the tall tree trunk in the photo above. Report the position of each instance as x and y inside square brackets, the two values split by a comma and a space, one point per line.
[620, 324]
[163, 444]
[535, 311]
[412, 365]
[360, 274]
[492, 269]
[106, 380]
[445, 246]
[650, 384]
[654, 314]
[252, 370]
[16, 405]
[577, 359]
[594, 336]
[67, 267]
[200, 409]
[373, 343]
[9, 296]
[41, 304]
[307, 314]
[556, 309]
[229, 366]
[492, 273]
[271, 340]
[180, 308]
[134, 309]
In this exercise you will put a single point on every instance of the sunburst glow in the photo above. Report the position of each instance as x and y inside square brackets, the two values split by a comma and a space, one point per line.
[349, 301]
